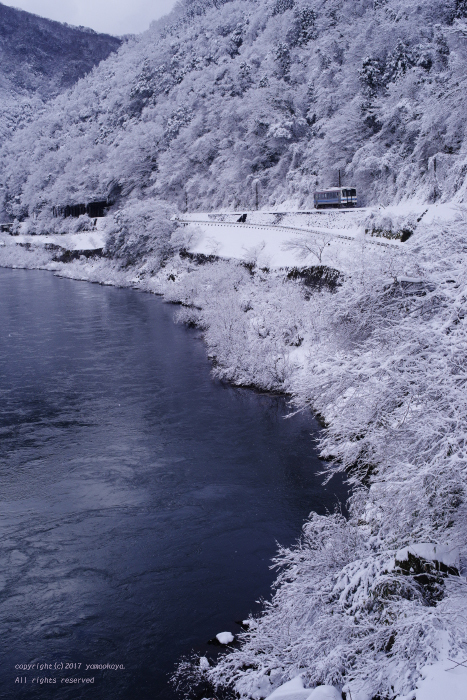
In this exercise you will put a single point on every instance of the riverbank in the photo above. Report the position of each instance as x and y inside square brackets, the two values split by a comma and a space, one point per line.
[381, 357]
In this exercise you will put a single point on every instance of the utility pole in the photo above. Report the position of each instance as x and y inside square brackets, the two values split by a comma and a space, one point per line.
[339, 178]
[255, 188]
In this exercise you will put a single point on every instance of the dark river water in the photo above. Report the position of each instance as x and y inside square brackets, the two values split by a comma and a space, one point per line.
[140, 500]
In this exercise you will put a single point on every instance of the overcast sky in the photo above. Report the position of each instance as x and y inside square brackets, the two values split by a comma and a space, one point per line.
[109, 16]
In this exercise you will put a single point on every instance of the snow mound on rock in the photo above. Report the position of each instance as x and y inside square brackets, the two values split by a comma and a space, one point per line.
[292, 690]
[449, 556]
[225, 637]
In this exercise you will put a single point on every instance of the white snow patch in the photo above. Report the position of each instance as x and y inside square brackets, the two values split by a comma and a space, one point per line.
[225, 637]
[444, 680]
[441, 683]
[203, 663]
[292, 690]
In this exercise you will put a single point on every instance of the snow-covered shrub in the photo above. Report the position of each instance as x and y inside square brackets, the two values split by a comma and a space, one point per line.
[341, 613]
[46, 223]
[253, 321]
[141, 235]
[390, 225]
[185, 237]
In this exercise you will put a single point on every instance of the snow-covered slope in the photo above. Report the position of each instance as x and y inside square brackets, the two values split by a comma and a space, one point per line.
[39, 59]
[229, 103]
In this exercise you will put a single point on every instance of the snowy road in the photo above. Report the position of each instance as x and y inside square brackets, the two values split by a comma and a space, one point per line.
[335, 241]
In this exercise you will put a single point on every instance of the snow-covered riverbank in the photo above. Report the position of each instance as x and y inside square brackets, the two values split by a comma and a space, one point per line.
[382, 358]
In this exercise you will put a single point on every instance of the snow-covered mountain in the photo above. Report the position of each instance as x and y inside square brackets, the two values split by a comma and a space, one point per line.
[39, 59]
[220, 99]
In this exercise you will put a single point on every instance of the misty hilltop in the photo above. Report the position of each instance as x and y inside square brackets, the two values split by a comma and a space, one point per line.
[219, 98]
[39, 59]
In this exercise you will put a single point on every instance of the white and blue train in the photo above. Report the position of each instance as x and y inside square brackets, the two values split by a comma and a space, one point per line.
[336, 197]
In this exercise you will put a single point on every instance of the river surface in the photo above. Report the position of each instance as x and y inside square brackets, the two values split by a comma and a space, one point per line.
[140, 500]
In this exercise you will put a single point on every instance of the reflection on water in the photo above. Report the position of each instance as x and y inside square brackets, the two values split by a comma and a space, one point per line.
[140, 500]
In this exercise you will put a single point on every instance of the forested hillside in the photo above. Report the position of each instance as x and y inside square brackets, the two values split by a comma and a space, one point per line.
[39, 59]
[219, 98]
